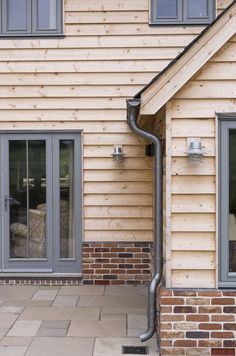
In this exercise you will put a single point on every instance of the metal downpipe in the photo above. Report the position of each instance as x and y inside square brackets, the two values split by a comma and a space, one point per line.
[133, 108]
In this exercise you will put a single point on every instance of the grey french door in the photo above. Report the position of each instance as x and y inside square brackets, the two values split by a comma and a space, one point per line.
[41, 202]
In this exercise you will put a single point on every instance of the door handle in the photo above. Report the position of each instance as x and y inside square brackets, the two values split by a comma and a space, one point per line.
[6, 200]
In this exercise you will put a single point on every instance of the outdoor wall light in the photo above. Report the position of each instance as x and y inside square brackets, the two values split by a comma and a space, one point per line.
[195, 152]
[118, 154]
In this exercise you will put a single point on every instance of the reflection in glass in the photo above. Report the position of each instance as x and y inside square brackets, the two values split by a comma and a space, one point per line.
[67, 238]
[197, 9]
[47, 14]
[16, 15]
[27, 173]
[167, 8]
[232, 200]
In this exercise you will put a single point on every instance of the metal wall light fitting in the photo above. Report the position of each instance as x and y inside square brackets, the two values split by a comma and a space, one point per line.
[195, 152]
[118, 154]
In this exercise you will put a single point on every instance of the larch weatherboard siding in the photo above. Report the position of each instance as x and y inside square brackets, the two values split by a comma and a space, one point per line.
[192, 260]
[81, 82]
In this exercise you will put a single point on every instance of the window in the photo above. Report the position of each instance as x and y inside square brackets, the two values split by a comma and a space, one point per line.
[30, 17]
[227, 201]
[176, 12]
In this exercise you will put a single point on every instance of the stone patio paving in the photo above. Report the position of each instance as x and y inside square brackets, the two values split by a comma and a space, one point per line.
[72, 320]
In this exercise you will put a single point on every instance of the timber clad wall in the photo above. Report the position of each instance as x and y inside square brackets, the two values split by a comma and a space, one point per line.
[81, 82]
[192, 234]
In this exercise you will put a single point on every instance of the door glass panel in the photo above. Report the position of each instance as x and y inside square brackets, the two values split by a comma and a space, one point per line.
[232, 200]
[167, 8]
[16, 14]
[197, 9]
[27, 193]
[47, 14]
[67, 238]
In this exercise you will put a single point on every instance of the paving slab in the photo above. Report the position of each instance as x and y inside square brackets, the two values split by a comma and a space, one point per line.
[58, 313]
[65, 301]
[101, 328]
[124, 310]
[16, 341]
[52, 332]
[126, 290]
[12, 350]
[112, 346]
[3, 332]
[28, 303]
[54, 346]
[82, 290]
[47, 294]
[17, 292]
[137, 321]
[11, 309]
[55, 324]
[25, 328]
[116, 301]
[7, 320]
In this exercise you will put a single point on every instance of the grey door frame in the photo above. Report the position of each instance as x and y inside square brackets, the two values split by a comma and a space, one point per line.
[226, 122]
[52, 263]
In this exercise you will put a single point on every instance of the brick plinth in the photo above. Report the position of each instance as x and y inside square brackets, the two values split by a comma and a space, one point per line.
[116, 263]
[197, 322]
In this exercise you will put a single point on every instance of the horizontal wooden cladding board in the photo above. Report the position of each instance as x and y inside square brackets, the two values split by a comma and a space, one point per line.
[127, 29]
[106, 151]
[21, 117]
[113, 139]
[118, 176]
[182, 166]
[226, 53]
[118, 200]
[81, 79]
[94, 17]
[90, 54]
[66, 103]
[125, 212]
[179, 146]
[117, 187]
[200, 108]
[117, 235]
[217, 71]
[183, 222]
[193, 185]
[98, 41]
[118, 224]
[193, 203]
[193, 241]
[207, 89]
[78, 66]
[105, 5]
[193, 128]
[222, 4]
[193, 279]
[109, 163]
[66, 91]
[193, 260]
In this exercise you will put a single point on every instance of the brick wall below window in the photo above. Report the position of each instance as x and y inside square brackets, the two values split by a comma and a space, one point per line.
[197, 322]
[116, 263]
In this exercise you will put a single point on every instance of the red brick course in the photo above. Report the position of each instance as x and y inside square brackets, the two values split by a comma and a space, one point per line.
[116, 263]
[197, 322]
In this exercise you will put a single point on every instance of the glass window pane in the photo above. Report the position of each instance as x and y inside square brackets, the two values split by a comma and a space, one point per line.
[167, 8]
[197, 9]
[67, 236]
[17, 14]
[232, 201]
[37, 198]
[18, 203]
[46, 14]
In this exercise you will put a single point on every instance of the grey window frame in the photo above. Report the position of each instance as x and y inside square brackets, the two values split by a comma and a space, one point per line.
[32, 30]
[226, 279]
[182, 18]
